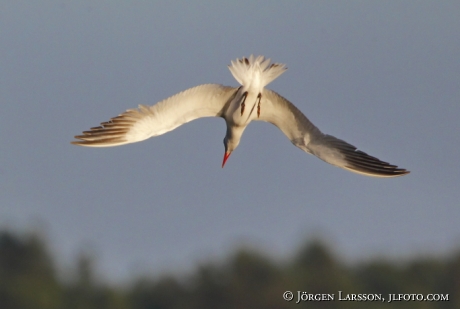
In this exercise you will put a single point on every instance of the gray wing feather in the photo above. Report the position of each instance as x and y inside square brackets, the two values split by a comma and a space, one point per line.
[136, 125]
[303, 134]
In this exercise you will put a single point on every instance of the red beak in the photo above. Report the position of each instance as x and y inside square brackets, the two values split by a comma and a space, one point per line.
[226, 155]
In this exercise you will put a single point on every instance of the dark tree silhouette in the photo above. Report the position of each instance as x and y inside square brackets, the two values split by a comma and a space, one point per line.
[246, 279]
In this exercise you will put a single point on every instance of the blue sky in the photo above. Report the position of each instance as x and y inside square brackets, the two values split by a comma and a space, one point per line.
[384, 76]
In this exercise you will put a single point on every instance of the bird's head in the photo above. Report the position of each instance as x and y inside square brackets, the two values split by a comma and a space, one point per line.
[230, 145]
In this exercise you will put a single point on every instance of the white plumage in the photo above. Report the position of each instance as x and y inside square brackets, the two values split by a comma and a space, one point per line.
[238, 106]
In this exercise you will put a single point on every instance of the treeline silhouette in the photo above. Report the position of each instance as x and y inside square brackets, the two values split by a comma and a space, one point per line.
[246, 279]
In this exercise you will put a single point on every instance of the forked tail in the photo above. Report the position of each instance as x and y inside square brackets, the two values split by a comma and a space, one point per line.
[247, 71]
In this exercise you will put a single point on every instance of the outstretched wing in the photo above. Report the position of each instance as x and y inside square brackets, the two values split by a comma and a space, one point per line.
[302, 133]
[136, 125]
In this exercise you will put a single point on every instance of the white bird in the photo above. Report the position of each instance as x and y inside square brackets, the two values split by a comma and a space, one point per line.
[238, 106]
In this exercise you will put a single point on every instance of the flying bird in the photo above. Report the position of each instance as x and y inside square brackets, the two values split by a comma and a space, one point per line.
[238, 106]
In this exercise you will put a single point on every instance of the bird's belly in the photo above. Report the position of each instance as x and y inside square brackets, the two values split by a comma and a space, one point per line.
[241, 119]
[243, 109]
[242, 115]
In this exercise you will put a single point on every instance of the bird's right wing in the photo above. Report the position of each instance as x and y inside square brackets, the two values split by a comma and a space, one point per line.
[136, 125]
[302, 133]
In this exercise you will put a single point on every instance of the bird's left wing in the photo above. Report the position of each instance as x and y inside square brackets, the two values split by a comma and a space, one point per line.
[302, 133]
[136, 125]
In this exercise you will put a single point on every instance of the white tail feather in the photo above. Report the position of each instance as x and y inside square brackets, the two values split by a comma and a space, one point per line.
[255, 72]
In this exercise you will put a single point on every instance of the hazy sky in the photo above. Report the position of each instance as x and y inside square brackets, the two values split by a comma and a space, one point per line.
[384, 76]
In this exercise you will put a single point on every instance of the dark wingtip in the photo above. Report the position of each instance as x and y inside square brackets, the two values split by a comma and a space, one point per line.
[375, 167]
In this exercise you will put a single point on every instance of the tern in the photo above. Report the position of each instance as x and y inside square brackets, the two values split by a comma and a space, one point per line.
[238, 106]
